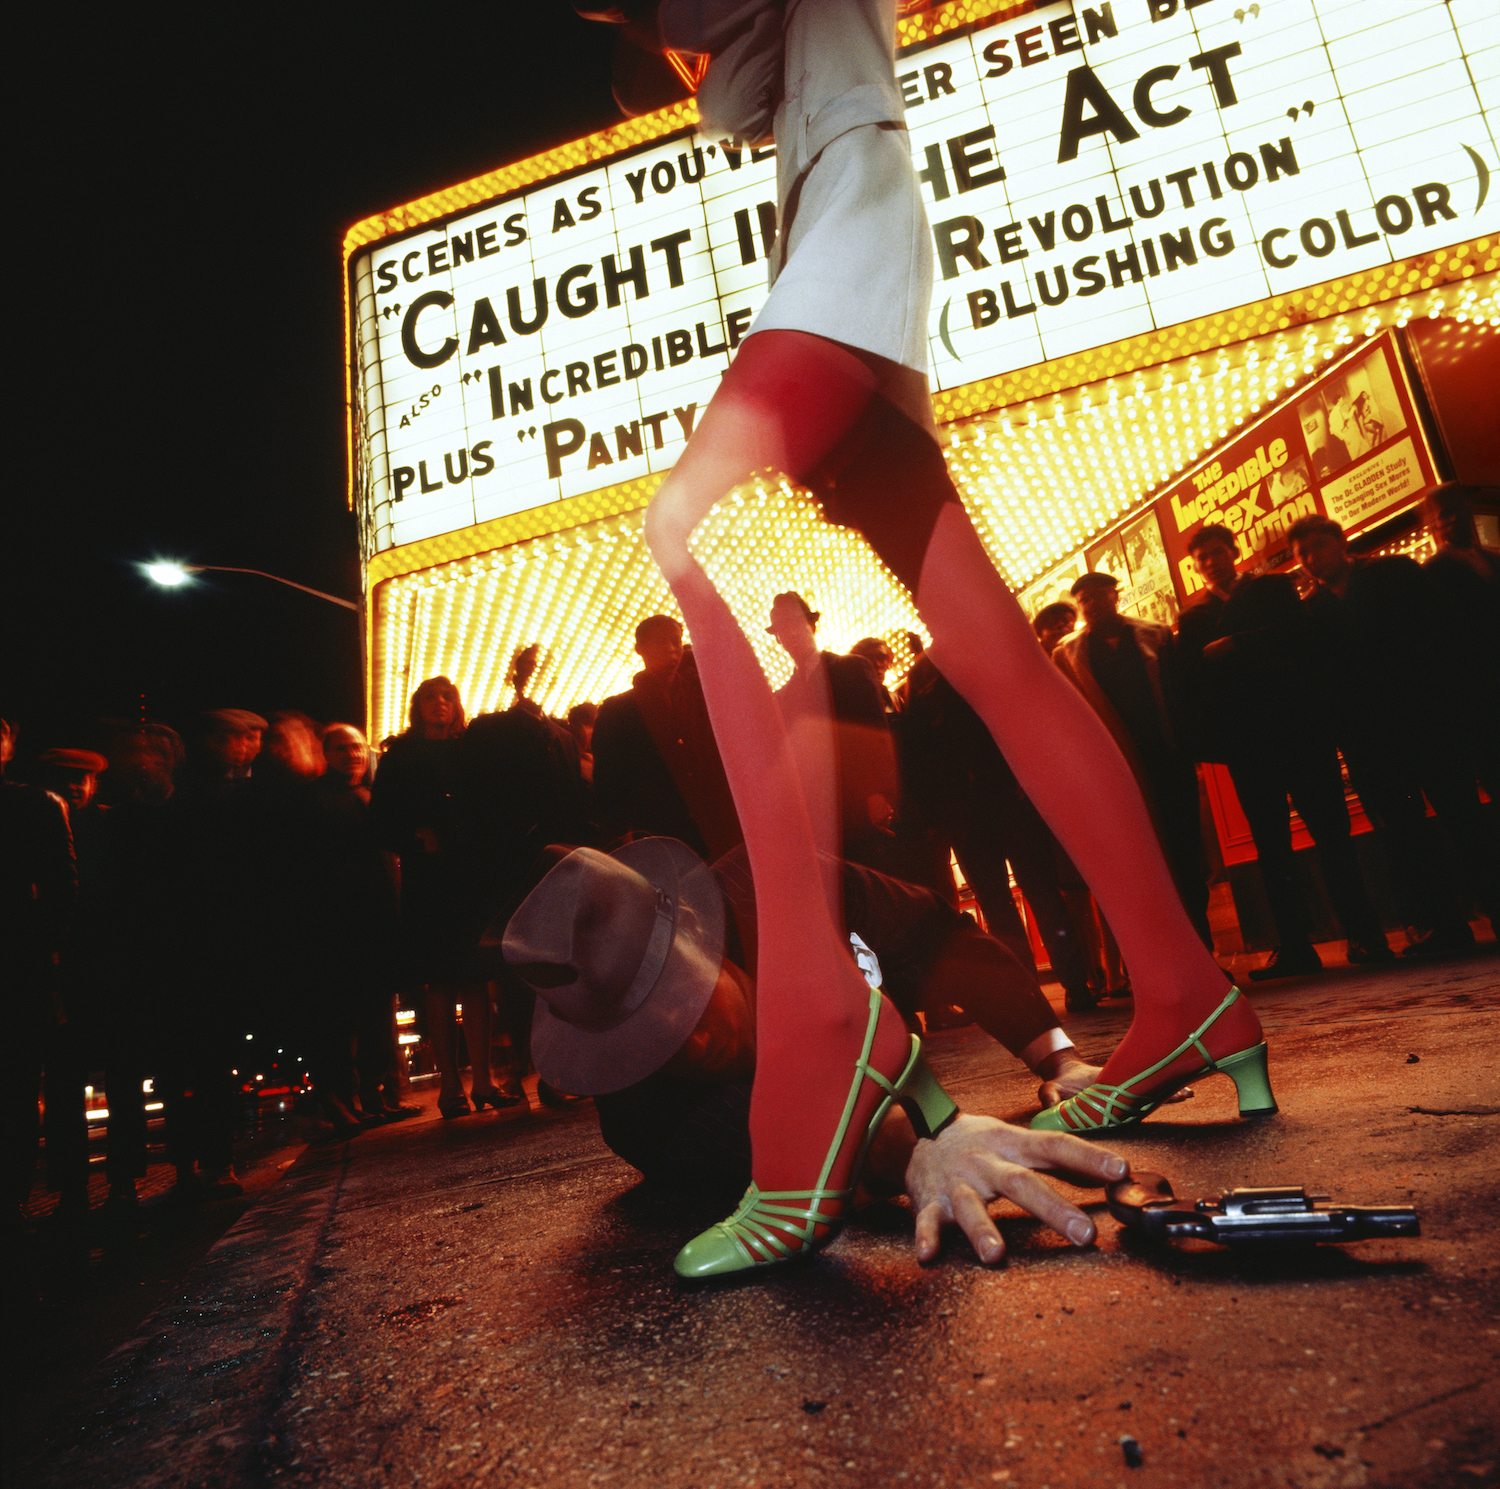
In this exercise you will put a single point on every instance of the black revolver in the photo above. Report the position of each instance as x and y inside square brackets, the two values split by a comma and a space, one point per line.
[1145, 1203]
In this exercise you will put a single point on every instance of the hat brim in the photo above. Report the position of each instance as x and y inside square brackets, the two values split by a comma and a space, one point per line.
[588, 1063]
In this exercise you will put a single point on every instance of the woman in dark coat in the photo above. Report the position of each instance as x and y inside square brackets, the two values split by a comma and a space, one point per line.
[414, 804]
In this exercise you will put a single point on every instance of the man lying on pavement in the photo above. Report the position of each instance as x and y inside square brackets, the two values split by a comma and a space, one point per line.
[642, 962]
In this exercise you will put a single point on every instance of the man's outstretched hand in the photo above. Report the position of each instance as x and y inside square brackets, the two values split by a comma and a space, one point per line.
[1064, 1075]
[974, 1160]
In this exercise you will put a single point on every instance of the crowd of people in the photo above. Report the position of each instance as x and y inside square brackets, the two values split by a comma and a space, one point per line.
[163, 898]
[1380, 661]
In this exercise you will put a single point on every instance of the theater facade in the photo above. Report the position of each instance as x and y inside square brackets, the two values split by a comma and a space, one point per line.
[1196, 261]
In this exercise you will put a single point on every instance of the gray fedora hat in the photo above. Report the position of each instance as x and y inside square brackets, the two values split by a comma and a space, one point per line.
[623, 951]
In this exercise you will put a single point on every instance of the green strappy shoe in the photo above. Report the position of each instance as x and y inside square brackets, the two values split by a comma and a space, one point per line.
[772, 1226]
[1099, 1107]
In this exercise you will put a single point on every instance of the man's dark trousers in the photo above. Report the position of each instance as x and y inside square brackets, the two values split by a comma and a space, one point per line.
[1310, 775]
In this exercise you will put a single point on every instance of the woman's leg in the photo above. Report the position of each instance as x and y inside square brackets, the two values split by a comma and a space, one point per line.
[441, 1031]
[1075, 775]
[889, 479]
[785, 401]
[478, 1032]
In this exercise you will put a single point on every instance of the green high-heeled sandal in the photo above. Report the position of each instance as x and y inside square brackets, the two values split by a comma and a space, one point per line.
[1100, 1107]
[772, 1226]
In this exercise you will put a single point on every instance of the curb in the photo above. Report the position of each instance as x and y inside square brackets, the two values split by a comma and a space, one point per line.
[185, 1402]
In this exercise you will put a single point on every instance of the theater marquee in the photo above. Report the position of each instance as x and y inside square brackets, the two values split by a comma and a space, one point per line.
[1091, 172]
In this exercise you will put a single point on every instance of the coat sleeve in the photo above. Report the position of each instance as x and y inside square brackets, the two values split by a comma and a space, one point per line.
[710, 25]
[392, 807]
[1280, 625]
[1196, 691]
[1062, 659]
[1169, 672]
[738, 96]
[616, 757]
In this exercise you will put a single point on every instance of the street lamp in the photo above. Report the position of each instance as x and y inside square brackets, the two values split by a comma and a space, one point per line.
[171, 575]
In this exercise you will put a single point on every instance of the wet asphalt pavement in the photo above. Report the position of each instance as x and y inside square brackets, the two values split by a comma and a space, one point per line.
[490, 1300]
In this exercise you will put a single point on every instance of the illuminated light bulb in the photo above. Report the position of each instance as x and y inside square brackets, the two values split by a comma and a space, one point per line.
[1020, 474]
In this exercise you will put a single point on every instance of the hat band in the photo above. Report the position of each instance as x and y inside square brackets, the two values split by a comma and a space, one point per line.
[654, 959]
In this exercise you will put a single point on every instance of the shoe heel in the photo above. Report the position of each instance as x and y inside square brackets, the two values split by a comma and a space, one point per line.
[1252, 1081]
[929, 1106]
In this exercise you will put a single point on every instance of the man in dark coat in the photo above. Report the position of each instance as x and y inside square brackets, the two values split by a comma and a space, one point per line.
[72, 775]
[523, 668]
[1397, 727]
[38, 900]
[1465, 582]
[517, 790]
[1126, 668]
[129, 916]
[219, 811]
[358, 900]
[876, 650]
[683, 1121]
[656, 765]
[1256, 703]
[354, 953]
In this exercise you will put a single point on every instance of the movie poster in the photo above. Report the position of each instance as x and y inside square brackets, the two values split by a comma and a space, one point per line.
[1054, 586]
[1109, 558]
[1152, 594]
[1349, 445]
[1137, 558]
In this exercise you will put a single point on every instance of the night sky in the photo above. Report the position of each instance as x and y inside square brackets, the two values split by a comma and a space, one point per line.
[186, 177]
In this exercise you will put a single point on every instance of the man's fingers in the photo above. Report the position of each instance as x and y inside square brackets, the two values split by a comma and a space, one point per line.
[929, 1231]
[977, 1159]
[1063, 1151]
[1078, 1181]
[974, 1219]
[1037, 1196]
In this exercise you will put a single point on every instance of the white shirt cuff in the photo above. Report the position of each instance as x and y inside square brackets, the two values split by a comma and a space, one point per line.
[1045, 1044]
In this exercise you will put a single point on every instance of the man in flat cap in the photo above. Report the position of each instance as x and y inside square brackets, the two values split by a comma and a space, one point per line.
[72, 775]
[1126, 668]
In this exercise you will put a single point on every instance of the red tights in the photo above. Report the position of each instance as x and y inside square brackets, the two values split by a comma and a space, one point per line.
[785, 404]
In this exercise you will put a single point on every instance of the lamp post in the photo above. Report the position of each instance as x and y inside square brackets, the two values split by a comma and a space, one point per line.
[170, 575]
